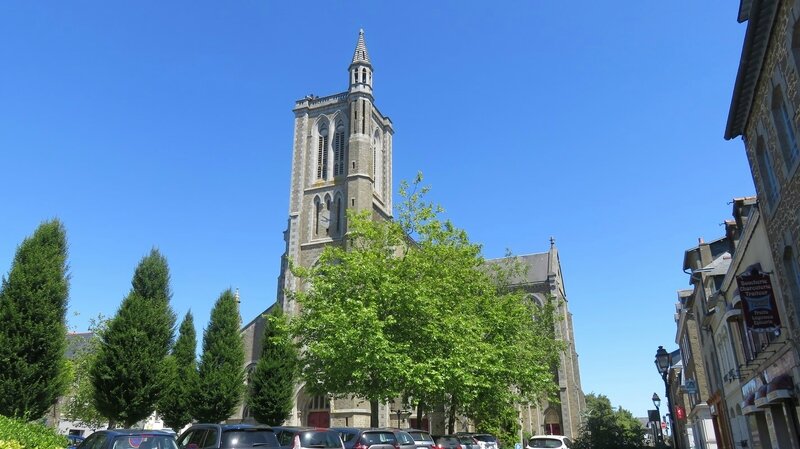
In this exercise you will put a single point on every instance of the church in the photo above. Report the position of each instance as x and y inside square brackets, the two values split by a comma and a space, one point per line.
[342, 159]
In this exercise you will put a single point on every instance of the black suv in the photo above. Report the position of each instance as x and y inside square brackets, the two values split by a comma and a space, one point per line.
[227, 436]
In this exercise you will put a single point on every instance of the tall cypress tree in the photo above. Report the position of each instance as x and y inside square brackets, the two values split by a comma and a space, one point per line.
[33, 304]
[180, 380]
[128, 371]
[221, 370]
[271, 393]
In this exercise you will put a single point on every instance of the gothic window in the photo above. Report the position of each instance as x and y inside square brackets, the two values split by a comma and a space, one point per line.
[322, 152]
[337, 207]
[338, 150]
[377, 164]
[325, 220]
[784, 126]
[796, 46]
[317, 215]
[363, 75]
[767, 171]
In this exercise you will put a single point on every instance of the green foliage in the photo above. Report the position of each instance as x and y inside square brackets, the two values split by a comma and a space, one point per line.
[385, 316]
[17, 434]
[221, 371]
[271, 394]
[180, 378]
[33, 303]
[606, 428]
[79, 405]
[127, 372]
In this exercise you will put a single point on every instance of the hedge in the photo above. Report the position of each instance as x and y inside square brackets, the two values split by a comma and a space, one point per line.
[15, 434]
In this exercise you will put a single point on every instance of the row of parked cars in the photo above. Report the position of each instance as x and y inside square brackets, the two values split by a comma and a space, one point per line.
[240, 436]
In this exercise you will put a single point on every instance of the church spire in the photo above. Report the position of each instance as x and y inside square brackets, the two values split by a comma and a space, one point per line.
[360, 56]
[361, 68]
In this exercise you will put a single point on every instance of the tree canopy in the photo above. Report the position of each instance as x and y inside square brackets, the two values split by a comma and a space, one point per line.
[272, 382]
[127, 373]
[606, 428]
[221, 370]
[409, 308]
[33, 303]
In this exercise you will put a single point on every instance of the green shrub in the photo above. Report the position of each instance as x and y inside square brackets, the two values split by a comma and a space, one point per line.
[15, 434]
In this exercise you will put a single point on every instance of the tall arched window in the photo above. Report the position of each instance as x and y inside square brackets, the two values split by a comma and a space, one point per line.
[325, 219]
[317, 215]
[377, 163]
[784, 125]
[322, 152]
[767, 171]
[338, 150]
[337, 209]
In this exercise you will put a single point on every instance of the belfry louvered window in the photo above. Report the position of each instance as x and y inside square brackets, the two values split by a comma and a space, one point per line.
[338, 150]
[322, 153]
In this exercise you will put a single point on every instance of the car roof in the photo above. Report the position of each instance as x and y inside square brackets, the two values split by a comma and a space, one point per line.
[116, 432]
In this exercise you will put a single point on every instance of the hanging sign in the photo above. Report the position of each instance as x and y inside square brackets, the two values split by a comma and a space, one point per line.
[758, 301]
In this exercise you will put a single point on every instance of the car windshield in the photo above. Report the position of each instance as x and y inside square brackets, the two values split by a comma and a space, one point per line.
[465, 439]
[486, 438]
[249, 437]
[421, 436]
[321, 439]
[544, 442]
[145, 442]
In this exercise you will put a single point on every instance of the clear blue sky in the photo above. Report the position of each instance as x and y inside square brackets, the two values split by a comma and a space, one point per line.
[169, 124]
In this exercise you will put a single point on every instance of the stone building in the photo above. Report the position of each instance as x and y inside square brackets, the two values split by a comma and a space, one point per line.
[342, 160]
[764, 112]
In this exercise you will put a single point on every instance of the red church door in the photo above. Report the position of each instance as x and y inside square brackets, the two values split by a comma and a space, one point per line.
[319, 419]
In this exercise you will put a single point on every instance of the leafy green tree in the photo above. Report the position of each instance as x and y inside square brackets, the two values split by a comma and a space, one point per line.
[80, 406]
[221, 371]
[180, 378]
[33, 303]
[271, 394]
[127, 372]
[425, 318]
[606, 428]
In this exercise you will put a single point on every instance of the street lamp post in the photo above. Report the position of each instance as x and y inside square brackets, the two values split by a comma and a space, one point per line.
[657, 403]
[663, 363]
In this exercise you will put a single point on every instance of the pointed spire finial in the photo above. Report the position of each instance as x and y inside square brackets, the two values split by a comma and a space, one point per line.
[552, 242]
[236, 296]
[361, 55]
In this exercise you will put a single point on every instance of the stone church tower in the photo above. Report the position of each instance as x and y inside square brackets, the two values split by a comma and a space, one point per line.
[341, 159]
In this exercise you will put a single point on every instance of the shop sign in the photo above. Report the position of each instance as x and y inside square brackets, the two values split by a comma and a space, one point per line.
[758, 300]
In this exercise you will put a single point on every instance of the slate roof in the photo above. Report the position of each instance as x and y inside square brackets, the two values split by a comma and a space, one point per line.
[535, 265]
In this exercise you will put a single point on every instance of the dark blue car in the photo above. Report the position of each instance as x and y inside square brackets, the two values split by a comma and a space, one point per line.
[129, 439]
[74, 441]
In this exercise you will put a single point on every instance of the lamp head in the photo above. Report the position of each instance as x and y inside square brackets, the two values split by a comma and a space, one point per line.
[656, 400]
[662, 360]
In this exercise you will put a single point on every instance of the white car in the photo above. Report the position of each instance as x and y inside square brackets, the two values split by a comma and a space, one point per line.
[549, 442]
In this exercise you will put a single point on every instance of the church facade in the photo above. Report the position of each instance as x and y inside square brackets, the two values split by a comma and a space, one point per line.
[342, 159]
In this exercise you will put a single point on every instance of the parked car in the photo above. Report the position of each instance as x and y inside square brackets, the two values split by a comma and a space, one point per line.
[129, 439]
[485, 440]
[307, 438]
[227, 436]
[364, 438]
[469, 442]
[74, 441]
[549, 442]
[422, 438]
[404, 439]
[447, 442]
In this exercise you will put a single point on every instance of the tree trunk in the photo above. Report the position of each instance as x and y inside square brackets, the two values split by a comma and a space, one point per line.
[420, 414]
[451, 421]
[112, 424]
[373, 419]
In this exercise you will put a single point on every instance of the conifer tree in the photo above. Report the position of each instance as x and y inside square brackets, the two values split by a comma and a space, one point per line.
[33, 303]
[127, 373]
[221, 370]
[180, 378]
[271, 394]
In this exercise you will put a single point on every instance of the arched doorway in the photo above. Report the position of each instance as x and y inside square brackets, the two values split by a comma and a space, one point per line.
[552, 422]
